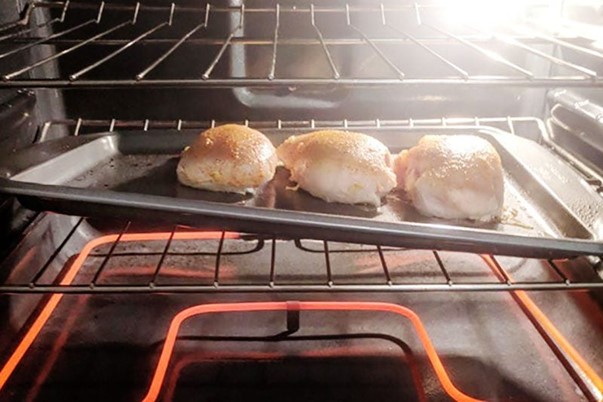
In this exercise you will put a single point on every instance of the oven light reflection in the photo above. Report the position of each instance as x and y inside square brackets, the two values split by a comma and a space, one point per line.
[486, 13]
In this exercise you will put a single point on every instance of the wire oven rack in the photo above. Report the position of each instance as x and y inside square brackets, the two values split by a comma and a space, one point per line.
[78, 265]
[137, 27]
[76, 279]
[553, 274]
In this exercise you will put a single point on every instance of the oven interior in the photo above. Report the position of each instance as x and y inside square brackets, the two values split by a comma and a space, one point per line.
[87, 303]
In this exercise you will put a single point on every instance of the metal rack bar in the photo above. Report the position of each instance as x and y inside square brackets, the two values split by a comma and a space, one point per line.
[510, 125]
[168, 243]
[262, 41]
[272, 263]
[328, 264]
[171, 17]
[447, 62]
[277, 23]
[64, 11]
[233, 9]
[534, 124]
[388, 278]
[299, 244]
[560, 274]
[78, 126]
[304, 123]
[325, 49]
[44, 40]
[555, 60]
[488, 53]
[442, 268]
[378, 51]
[111, 55]
[100, 269]
[136, 11]
[33, 282]
[464, 74]
[213, 64]
[101, 8]
[301, 288]
[498, 270]
[171, 50]
[578, 82]
[55, 56]
[218, 257]
[257, 247]
[563, 43]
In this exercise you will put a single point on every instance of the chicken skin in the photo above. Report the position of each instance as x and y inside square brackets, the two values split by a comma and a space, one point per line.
[229, 158]
[338, 166]
[452, 177]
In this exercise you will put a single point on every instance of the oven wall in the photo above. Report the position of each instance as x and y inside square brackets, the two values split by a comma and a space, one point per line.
[22, 112]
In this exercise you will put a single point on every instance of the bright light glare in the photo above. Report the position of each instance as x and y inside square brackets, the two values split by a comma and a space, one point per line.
[484, 12]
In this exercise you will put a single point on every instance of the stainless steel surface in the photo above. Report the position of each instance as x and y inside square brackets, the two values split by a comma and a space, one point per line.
[576, 127]
[495, 67]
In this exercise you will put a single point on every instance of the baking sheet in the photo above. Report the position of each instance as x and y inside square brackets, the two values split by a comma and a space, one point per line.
[549, 210]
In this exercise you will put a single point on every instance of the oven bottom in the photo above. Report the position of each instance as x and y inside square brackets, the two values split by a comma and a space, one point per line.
[107, 347]
[101, 346]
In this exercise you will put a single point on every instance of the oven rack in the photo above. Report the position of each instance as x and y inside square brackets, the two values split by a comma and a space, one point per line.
[555, 278]
[137, 28]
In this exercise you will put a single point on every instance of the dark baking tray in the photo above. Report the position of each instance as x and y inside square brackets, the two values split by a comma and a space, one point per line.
[550, 211]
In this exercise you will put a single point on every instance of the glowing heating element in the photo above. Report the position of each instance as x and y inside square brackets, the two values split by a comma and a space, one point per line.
[176, 323]
[54, 300]
[550, 328]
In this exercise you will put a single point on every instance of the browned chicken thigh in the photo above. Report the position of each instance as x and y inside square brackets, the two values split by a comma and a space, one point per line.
[339, 166]
[452, 177]
[229, 158]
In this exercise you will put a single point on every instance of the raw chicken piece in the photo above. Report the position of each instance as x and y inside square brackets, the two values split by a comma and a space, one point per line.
[339, 166]
[453, 177]
[229, 158]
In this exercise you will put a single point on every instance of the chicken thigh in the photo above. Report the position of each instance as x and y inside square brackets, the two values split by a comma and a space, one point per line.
[452, 177]
[339, 166]
[229, 158]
